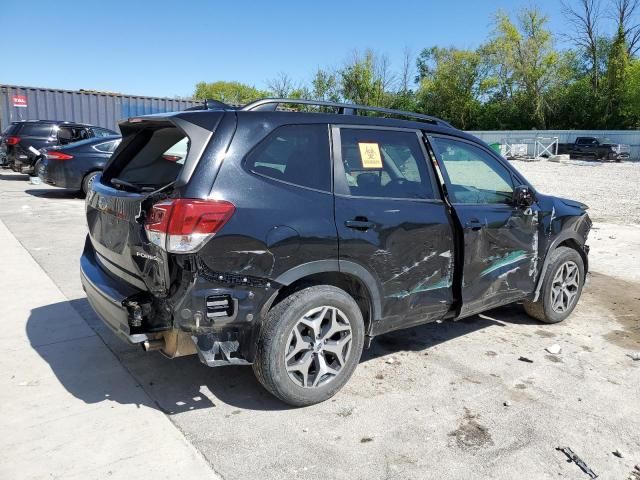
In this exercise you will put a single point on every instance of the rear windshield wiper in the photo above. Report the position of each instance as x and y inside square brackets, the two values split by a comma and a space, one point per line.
[117, 182]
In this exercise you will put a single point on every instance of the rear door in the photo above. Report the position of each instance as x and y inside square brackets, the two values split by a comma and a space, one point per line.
[392, 222]
[500, 239]
[118, 204]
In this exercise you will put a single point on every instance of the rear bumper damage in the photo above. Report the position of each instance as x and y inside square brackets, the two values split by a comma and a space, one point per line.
[216, 316]
[107, 296]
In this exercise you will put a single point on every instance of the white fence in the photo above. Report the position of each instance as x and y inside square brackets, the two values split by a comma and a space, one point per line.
[529, 137]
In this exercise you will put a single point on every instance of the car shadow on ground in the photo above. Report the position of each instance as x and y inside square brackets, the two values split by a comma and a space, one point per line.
[87, 370]
[53, 194]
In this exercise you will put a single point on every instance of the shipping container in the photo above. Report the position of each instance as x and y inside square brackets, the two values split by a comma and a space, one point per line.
[96, 108]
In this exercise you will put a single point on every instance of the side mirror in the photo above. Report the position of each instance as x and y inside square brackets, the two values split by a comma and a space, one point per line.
[523, 196]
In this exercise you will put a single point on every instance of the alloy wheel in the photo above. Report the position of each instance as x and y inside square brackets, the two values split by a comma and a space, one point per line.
[565, 287]
[318, 347]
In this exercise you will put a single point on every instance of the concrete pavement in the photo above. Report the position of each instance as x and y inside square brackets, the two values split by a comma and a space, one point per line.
[70, 409]
[426, 402]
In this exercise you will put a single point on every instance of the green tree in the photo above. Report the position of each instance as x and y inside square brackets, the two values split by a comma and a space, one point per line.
[451, 84]
[632, 95]
[325, 85]
[366, 79]
[228, 92]
[524, 62]
[617, 67]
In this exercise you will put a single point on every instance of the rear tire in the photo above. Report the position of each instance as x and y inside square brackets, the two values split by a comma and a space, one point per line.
[87, 181]
[310, 345]
[38, 168]
[561, 288]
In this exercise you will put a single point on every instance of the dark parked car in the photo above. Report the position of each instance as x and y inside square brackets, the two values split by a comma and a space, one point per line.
[290, 239]
[598, 148]
[22, 140]
[76, 165]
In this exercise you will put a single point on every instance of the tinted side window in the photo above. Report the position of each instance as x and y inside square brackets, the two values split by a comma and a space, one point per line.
[297, 154]
[384, 163]
[36, 130]
[472, 175]
[72, 134]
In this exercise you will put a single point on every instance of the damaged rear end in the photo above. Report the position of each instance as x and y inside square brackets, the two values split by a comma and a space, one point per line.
[148, 217]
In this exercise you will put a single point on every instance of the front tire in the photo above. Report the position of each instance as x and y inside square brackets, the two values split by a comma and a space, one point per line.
[310, 345]
[561, 288]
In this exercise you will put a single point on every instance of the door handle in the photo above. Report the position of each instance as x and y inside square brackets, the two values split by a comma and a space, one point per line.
[474, 224]
[359, 223]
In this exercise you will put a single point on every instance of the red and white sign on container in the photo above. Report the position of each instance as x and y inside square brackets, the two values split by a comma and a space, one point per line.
[20, 101]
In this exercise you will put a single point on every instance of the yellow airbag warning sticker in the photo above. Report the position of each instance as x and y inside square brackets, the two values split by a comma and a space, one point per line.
[370, 155]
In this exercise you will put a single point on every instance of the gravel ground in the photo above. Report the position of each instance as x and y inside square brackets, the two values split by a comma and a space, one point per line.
[445, 401]
[610, 189]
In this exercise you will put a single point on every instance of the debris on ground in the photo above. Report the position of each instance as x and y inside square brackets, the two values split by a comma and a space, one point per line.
[507, 403]
[390, 361]
[525, 359]
[618, 453]
[366, 439]
[634, 356]
[346, 412]
[554, 349]
[578, 461]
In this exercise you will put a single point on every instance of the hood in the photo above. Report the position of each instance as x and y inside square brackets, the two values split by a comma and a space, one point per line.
[572, 203]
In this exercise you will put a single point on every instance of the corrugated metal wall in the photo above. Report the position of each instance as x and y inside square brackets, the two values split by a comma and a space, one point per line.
[101, 109]
[629, 137]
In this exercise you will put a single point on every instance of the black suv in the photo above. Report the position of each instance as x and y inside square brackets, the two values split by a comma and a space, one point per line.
[21, 141]
[289, 239]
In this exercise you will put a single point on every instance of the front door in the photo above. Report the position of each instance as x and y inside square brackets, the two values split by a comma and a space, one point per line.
[392, 221]
[500, 239]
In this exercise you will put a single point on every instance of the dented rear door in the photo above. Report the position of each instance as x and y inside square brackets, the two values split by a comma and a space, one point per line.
[500, 240]
[392, 221]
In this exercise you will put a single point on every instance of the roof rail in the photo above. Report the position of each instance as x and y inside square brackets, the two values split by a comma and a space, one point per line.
[343, 108]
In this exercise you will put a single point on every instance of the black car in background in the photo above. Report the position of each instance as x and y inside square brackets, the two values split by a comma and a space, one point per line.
[598, 148]
[75, 166]
[21, 141]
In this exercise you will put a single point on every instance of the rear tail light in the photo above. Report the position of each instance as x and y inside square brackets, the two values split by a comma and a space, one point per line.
[54, 155]
[184, 225]
[12, 140]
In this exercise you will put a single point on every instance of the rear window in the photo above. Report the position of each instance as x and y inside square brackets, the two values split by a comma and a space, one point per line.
[297, 154]
[36, 130]
[154, 157]
[10, 130]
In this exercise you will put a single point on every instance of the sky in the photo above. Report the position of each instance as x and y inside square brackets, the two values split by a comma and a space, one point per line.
[163, 48]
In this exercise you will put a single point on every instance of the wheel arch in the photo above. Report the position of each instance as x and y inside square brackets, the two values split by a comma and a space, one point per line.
[565, 239]
[349, 276]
